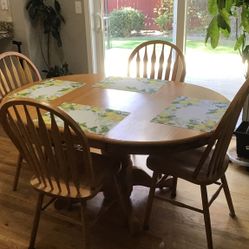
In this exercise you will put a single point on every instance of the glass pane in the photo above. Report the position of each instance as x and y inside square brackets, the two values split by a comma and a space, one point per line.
[149, 20]
[220, 69]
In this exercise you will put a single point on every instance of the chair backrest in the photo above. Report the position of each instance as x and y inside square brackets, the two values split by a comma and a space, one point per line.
[157, 59]
[52, 143]
[221, 137]
[16, 70]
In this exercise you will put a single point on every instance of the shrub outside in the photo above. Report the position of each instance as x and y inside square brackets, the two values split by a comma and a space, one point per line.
[124, 20]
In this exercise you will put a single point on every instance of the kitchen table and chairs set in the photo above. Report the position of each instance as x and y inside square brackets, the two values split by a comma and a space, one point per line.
[78, 133]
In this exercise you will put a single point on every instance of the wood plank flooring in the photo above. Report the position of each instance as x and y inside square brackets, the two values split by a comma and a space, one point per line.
[171, 227]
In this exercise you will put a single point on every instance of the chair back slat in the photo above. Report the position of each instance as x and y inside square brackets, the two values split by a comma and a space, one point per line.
[47, 144]
[153, 62]
[37, 144]
[60, 166]
[161, 63]
[4, 86]
[175, 67]
[161, 60]
[20, 125]
[216, 150]
[27, 71]
[21, 71]
[138, 60]
[16, 70]
[13, 69]
[8, 76]
[145, 63]
[168, 68]
[52, 143]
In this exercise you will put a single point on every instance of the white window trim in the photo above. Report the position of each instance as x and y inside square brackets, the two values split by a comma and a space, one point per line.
[93, 11]
[179, 24]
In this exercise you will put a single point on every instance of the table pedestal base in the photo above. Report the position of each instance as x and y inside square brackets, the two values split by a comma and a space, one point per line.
[129, 176]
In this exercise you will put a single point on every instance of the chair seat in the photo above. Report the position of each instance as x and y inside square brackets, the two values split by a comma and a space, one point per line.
[183, 165]
[103, 167]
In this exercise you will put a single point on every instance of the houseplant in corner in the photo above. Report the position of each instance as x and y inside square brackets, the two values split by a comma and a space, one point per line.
[223, 12]
[49, 19]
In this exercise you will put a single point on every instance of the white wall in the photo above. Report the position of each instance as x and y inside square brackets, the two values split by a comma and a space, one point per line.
[73, 37]
[24, 32]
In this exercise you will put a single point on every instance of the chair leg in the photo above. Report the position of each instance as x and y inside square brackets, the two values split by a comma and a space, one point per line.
[18, 169]
[228, 196]
[36, 220]
[85, 233]
[150, 201]
[206, 214]
[174, 185]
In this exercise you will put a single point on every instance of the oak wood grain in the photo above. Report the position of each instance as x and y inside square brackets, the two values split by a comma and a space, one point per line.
[136, 134]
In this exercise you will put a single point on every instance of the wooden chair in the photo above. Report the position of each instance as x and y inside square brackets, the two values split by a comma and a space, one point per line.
[203, 166]
[57, 150]
[162, 60]
[157, 59]
[16, 70]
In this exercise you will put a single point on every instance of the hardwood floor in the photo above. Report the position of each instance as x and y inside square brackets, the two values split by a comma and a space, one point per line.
[171, 227]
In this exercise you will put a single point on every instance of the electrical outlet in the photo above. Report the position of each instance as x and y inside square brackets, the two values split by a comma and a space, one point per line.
[78, 7]
[4, 4]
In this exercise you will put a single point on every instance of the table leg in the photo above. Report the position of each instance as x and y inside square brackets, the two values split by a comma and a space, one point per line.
[130, 176]
[127, 183]
[125, 186]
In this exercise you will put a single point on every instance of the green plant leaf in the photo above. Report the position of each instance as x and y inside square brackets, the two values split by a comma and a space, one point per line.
[40, 11]
[239, 43]
[239, 3]
[29, 3]
[213, 32]
[223, 20]
[229, 4]
[245, 17]
[212, 7]
[221, 4]
[226, 16]
[245, 54]
[57, 6]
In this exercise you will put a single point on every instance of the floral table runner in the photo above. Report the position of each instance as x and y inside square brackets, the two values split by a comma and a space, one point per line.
[93, 119]
[48, 89]
[140, 85]
[192, 113]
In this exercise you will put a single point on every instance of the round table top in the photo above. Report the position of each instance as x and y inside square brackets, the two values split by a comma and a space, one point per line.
[136, 133]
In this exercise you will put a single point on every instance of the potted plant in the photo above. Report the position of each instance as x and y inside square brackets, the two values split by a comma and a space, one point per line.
[49, 18]
[223, 12]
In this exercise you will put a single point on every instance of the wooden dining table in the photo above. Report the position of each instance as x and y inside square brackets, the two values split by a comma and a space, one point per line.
[136, 134]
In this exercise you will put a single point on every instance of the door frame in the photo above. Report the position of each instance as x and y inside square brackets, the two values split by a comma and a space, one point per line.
[93, 11]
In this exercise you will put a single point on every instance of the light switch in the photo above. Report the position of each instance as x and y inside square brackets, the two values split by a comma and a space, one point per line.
[78, 7]
[4, 4]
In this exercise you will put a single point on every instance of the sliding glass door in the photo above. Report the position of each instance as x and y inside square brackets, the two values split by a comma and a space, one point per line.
[111, 40]
[220, 69]
[114, 28]
[131, 22]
